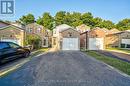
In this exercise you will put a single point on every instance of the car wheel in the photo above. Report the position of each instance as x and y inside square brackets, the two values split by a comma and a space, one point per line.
[26, 54]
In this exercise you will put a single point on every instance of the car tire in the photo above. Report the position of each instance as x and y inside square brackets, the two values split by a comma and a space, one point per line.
[26, 54]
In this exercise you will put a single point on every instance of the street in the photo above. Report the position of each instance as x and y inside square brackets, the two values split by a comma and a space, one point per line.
[65, 68]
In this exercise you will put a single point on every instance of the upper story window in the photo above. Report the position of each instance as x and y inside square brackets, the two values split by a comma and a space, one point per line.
[30, 30]
[39, 30]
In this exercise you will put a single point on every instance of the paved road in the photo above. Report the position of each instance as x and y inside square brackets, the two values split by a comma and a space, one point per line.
[68, 68]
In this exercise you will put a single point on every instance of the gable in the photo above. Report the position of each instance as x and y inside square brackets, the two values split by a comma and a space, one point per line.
[70, 33]
[3, 24]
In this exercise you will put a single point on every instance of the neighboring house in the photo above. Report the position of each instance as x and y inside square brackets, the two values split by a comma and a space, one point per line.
[124, 39]
[93, 39]
[82, 28]
[112, 38]
[42, 32]
[12, 33]
[65, 38]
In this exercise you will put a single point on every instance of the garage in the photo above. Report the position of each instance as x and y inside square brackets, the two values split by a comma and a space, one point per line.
[96, 43]
[12, 40]
[125, 43]
[70, 44]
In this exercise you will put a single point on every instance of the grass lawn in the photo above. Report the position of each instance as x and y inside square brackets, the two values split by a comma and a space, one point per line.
[119, 49]
[116, 63]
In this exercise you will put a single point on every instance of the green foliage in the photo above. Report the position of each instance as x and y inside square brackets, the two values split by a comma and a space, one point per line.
[27, 19]
[60, 17]
[87, 18]
[107, 24]
[33, 40]
[46, 20]
[124, 24]
[74, 19]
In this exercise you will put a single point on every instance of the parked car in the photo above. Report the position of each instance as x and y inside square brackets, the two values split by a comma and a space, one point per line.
[10, 51]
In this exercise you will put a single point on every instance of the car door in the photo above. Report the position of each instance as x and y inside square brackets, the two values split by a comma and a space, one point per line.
[6, 53]
[18, 49]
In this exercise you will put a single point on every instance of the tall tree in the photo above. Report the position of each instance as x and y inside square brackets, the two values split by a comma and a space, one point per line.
[60, 17]
[123, 24]
[27, 19]
[76, 19]
[46, 20]
[107, 24]
[87, 18]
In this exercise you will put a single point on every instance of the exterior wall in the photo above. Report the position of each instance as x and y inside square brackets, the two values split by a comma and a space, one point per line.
[112, 40]
[42, 32]
[58, 39]
[13, 33]
[67, 33]
[84, 40]
[97, 33]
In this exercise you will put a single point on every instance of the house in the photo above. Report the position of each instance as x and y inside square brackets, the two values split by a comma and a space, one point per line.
[124, 39]
[12, 33]
[41, 31]
[82, 28]
[93, 39]
[65, 38]
[112, 38]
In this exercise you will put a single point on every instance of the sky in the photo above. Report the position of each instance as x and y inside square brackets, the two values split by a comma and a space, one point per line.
[114, 10]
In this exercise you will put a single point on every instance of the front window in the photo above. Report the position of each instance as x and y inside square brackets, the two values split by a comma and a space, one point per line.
[38, 30]
[30, 30]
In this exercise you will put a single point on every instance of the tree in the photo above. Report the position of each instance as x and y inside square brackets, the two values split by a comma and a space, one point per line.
[123, 24]
[87, 18]
[96, 22]
[60, 18]
[27, 19]
[107, 24]
[46, 20]
[76, 19]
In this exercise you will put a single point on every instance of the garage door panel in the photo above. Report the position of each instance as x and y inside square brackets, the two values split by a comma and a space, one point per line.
[12, 40]
[125, 41]
[96, 43]
[70, 44]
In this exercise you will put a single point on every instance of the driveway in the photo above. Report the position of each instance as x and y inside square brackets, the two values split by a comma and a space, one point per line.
[65, 68]
[121, 56]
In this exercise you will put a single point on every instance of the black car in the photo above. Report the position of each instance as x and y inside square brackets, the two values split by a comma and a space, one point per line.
[10, 51]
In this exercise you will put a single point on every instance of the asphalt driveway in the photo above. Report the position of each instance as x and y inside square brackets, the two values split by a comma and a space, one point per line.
[121, 56]
[65, 68]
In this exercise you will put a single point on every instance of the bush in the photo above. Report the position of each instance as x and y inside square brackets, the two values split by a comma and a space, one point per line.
[33, 40]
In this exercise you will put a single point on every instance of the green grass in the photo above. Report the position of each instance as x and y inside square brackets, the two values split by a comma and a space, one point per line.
[119, 49]
[116, 63]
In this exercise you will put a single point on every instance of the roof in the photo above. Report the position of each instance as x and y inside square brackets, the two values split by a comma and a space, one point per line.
[63, 27]
[83, 26]
[8, 25]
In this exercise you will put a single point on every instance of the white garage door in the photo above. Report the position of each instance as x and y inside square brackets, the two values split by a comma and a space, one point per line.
[70, 44]
[125, 41]
[95, 43]
[12, 40]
